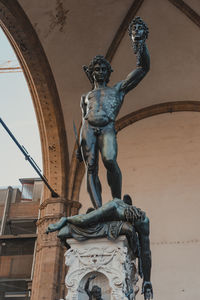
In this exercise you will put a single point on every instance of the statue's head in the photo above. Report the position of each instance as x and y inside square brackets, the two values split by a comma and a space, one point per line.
[96, 292]
[99, 69]
[138, 30]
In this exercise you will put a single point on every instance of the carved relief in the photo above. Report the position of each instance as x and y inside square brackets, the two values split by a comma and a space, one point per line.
[109, 259]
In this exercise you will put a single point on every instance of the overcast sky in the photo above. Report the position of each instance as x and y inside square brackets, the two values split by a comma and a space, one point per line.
[17, 111]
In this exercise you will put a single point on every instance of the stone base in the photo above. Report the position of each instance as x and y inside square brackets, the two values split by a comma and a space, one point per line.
[110, 261]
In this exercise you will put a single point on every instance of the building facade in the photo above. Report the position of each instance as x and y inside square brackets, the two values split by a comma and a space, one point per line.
[19, 209]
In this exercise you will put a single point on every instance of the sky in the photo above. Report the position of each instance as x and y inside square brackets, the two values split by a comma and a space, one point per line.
[17, 111]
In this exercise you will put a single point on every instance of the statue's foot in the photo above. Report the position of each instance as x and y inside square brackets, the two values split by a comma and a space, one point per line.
[57, 226]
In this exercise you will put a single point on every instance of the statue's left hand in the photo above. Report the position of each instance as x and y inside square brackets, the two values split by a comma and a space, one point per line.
[147, 290]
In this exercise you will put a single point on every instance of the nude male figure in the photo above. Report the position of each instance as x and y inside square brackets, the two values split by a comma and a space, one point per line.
[100, 108]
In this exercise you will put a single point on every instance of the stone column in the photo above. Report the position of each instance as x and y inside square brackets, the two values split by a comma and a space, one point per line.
[48, 267]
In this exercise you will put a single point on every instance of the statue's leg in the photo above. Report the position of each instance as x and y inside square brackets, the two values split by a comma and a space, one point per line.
[65, 232]
[108, 212]
[97, 180]
[90, 155]
[93, 183]
[108, 147]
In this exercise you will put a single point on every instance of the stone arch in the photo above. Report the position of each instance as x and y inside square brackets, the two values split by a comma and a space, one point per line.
[77, 170]
[37, 71]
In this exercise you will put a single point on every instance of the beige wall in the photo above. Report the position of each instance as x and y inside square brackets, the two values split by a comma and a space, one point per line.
[160, 162]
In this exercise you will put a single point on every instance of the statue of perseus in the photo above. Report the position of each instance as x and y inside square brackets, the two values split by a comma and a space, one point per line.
[100, 107]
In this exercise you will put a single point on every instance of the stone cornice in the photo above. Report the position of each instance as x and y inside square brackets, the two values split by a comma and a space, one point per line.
[49, 218]
[66, 202]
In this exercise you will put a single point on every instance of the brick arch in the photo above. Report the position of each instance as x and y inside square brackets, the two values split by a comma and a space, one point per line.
[37, 71]
[77, 170]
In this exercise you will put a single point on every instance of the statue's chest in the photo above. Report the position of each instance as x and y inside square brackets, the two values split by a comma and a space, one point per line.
[105, 99]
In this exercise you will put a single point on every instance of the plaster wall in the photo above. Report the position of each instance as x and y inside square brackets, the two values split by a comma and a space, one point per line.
[160, 162]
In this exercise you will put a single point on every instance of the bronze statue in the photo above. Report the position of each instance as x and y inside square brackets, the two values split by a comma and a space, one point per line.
[100, 108]
[117, 217]
[95, 292]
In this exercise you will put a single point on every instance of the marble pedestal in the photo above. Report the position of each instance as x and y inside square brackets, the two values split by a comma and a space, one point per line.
[110, 261]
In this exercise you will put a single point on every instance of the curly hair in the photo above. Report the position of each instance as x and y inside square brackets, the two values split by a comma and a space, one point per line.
[138, 20]
[99, 59]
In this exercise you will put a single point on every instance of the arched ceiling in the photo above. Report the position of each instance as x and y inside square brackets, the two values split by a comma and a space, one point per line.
[73, 32]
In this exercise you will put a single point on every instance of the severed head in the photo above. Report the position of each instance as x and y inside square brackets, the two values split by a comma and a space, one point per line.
[138, 32]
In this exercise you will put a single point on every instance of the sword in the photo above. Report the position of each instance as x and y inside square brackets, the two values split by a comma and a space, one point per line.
[76, 135]
[78, 153]
[85, 69]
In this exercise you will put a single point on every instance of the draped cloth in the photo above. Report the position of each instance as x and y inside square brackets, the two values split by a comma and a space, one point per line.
[111, 230]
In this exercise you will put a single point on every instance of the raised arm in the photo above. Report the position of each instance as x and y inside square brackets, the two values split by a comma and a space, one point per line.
[138, 32]
[86, 288]
[138, 74]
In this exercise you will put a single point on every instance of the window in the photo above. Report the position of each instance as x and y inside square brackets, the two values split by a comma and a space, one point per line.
[27, 191]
